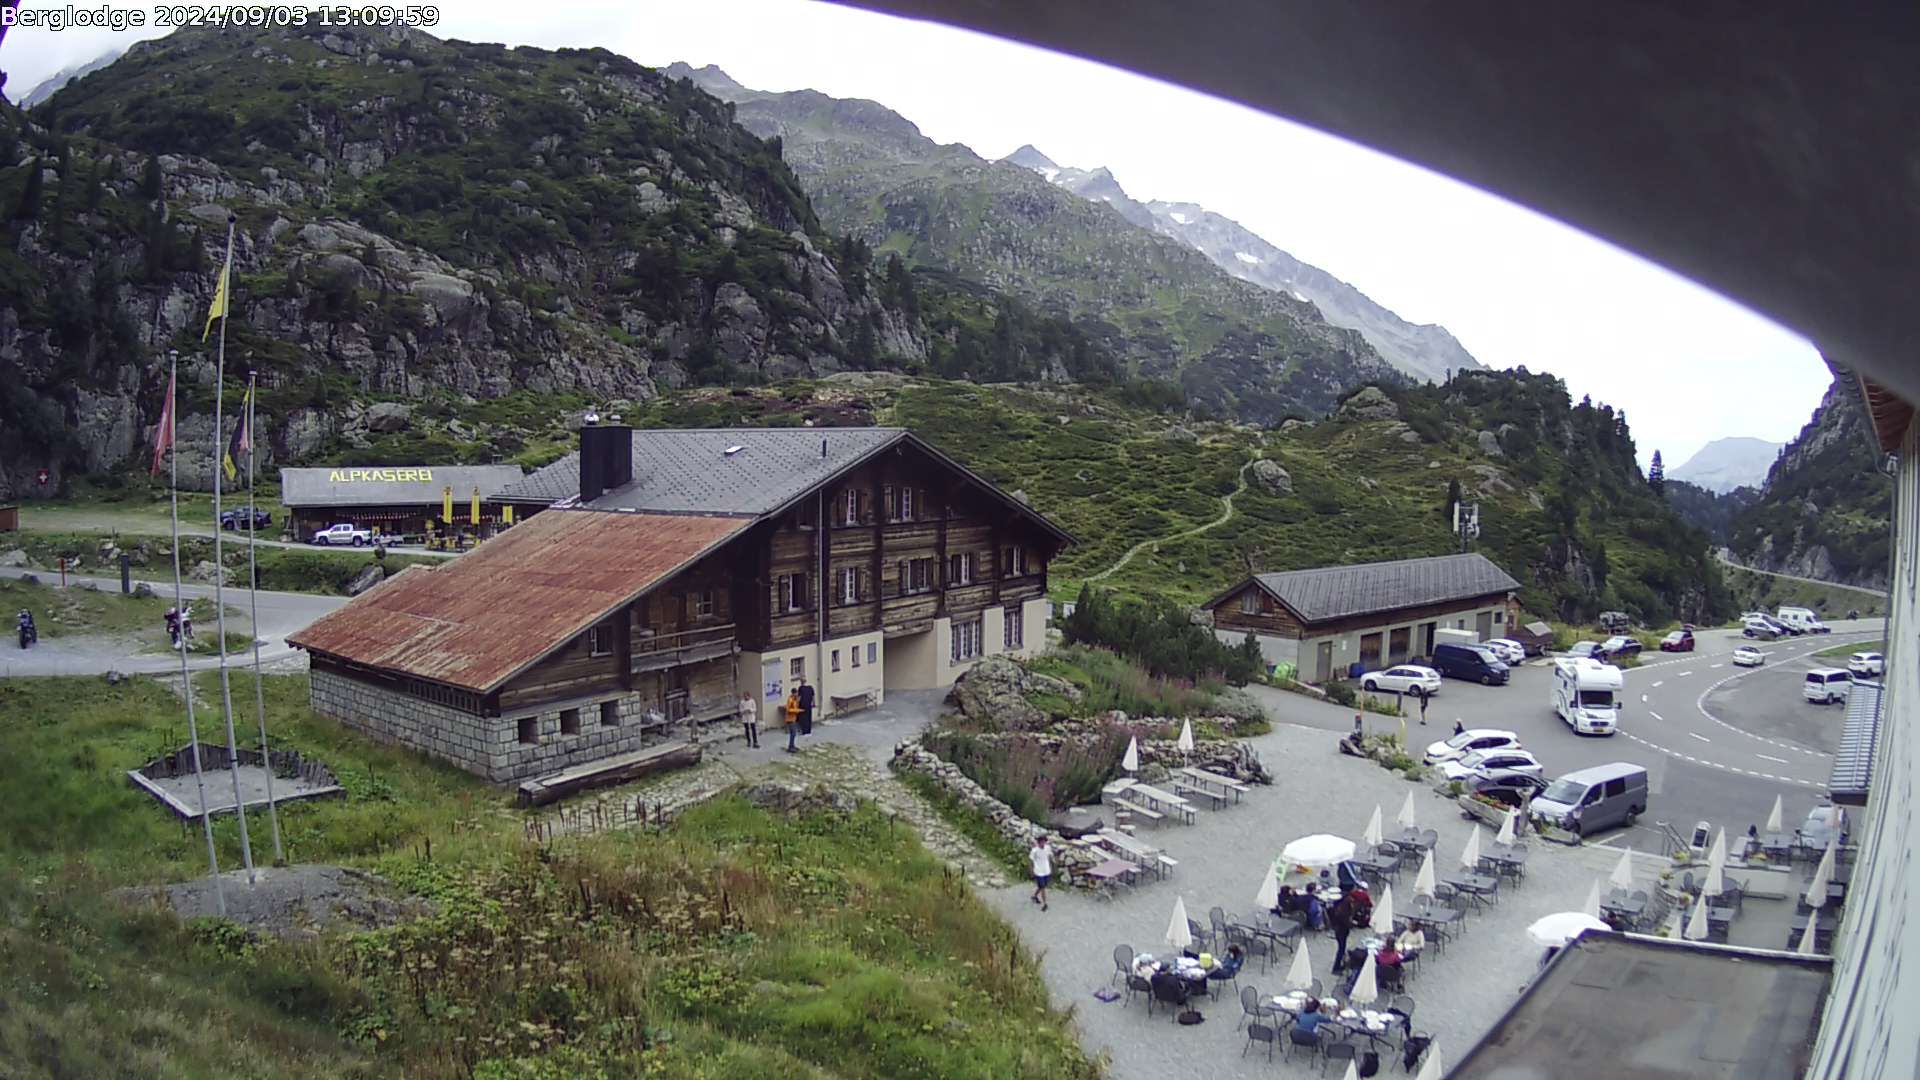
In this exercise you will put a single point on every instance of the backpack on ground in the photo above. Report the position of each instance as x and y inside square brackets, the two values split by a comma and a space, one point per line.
[1369, 1063]
[1411, 1051]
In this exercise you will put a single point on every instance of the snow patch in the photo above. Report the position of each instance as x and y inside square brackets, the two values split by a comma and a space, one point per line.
[1298, 297]
[1250, 260]
[1181, 218]
[1049, 172]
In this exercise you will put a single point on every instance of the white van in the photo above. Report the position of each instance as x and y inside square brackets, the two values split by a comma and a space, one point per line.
[1799, 620]
[1586, 694]
[1827, 685]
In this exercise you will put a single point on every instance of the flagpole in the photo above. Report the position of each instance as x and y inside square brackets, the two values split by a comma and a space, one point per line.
[225, 298]
[179, 608]
[253, 601]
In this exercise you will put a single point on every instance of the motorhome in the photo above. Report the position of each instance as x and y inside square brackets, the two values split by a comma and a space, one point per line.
[1800, 620]
[1586, 694]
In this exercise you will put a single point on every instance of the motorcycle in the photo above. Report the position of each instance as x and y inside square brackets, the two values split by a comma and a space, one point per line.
[29, 633]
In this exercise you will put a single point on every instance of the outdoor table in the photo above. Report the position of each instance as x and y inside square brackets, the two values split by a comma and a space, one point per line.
[1777, 845]
[1822, 934]
[1376, 1026]
[1290, 1003]
[1143, 853]
[1836, 896]
[1506, 859]
[1112, 872]
[1626, 906]
[1382, 865]
[1719, 920]
[1163, 801]
[1226, 783]
[1478, 886]
[1412, 838]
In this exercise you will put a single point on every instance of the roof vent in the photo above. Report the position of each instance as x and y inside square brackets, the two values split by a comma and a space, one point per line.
[732, 450]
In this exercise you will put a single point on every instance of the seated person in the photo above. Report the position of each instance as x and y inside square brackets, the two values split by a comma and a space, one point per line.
[1169, 987]
[1288, 902]
[1389, 954]
[1312, 1015]
[1413, 941]
[1229, 966]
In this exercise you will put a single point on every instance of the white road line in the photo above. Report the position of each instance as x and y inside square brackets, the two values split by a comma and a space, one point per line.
[1657, 716]
[1769, 757]
[1658, 683]
[1699, 736]
[1643, 699]
[1683, 675]
[1716, 665]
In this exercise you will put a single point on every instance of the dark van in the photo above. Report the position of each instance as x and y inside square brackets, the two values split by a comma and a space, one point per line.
[1476, 662]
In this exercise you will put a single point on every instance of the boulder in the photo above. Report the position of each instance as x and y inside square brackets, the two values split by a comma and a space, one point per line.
[370, 575]
[1490, 444]
[1369, 403]
[389, 417]
[143, 590]
[793, 799]
[1272, 476]
[994, 691]
[1179, 433]
[16, 557]
[205, 570]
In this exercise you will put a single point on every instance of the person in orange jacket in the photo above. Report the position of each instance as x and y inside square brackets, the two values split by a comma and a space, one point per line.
[793, 721]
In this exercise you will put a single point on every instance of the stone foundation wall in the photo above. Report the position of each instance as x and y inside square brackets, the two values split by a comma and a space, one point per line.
[1070, 862]
[487, 746]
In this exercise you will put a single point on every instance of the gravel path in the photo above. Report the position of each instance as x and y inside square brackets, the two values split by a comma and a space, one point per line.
[1226, 514]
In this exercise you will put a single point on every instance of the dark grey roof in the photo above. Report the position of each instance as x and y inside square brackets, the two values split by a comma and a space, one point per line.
[362, 485]
[1636, 1008]
[1852, 775]
[1336, 592]
[688, 471]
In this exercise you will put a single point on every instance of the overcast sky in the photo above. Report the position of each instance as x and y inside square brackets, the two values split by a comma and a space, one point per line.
[1516, 288]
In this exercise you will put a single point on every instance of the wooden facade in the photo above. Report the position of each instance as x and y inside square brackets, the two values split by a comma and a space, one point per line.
[1277, 619]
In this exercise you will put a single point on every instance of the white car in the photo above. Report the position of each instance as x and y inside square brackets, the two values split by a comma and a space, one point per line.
[1824, 686]
[1404, 679]
[1867, 664]
[343, 533]
[1482, 762]
[1748, 656]
[1508, 650]
[1469, 741]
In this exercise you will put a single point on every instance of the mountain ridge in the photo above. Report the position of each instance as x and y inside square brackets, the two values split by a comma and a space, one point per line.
[1735, 461]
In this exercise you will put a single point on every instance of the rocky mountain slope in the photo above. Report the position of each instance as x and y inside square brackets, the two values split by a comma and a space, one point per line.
[1711, 511]
[1426, 352]
[422, 222]
[1725, 464]
[1165, 308]
[1825, 511]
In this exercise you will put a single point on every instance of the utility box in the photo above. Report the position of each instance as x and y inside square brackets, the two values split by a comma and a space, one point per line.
[1455, 637]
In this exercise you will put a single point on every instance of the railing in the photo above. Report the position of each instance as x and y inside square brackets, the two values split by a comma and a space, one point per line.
[1670, 840]
[657, 650]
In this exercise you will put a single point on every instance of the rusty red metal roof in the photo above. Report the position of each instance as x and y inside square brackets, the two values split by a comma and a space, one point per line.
[1890, 414]
[476, 621]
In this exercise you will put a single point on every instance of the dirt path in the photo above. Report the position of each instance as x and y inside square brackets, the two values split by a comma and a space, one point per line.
[1226, 514]
[1721, 555]
[109, 521]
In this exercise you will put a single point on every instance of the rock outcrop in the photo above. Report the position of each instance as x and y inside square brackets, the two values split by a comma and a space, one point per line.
[996, 692]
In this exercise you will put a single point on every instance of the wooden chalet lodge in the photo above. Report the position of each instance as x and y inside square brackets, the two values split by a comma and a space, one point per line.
[669, 572]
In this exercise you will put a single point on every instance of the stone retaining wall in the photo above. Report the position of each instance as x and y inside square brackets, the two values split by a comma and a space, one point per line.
[1069, 861]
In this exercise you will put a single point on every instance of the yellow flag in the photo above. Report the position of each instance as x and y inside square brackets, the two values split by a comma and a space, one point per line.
[219, 308]
[446, 504]
[473, 510]
[506, 514]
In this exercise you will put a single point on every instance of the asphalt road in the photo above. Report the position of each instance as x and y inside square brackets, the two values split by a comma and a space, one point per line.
[1718, 742]
[281, 613]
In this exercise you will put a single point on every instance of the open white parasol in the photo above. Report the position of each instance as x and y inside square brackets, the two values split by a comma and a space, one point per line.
[1470, 855]
[1318, 851]
[1366, 988]
[1178, 934]
[1716, 882]
[1773, 819]
[1353, 1071]
[1186, 736]
[1372, 836]
[1554, 931]
[1130, 761]
[1623, 870]
[1423, 882]
[1269, 893]
[1406, 816]
[1383, 912]
[1300, 975]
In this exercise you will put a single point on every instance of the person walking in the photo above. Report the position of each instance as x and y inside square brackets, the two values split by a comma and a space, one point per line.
[750, 720]
[1423, 694]
[1340, 917]
[806, 708]
[1041, 857]
[1458, 727]
[792, 712]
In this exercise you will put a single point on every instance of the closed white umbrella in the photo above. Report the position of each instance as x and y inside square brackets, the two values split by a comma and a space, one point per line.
[1353, 1071]
[1383, 912]
[1372, 836]
[1716, 882]
[1269, 893]
[1406, 817]
[1317, 851]
[1554, 931]
[1806, 936]
[1300, 975]
[1822, 877]
[1131, 760]
[1696, 928]
[1178, 935]
[1366, 988]
[1186, 735]
[1505, 835]
[1423, 882]
[1773, 819]
[1623, 870]
[1432, 1069]
[1717, 854]
[1592, 906]
[1470, 855]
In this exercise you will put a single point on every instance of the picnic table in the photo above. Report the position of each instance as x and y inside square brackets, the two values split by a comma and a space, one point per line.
[1112, 873]
[1161, 801]
[1226, 784]
[1143, 853]
[1620, 903]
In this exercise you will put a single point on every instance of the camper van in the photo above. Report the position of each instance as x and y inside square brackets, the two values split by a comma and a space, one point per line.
[1800, 620]
[1586, 694]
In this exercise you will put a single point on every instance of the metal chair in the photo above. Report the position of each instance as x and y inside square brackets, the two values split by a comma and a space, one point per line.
[1297, 1038]
[1317, 989]
[1138, 984]
[1429, 838]
[1203, 937]
[1250, 1004]
[1343, 1050]
[1172, 993]
[1402, 1004]
[1259, 1032]
[1122, 962]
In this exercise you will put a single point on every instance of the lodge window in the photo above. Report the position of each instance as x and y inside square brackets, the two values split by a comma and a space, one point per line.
[1250, 603]
[1499, 617]
[960, 569]
[797, 668]
[966, 640]
[569, 721]
[440, 694]
[916, 575]
[700, 604]
[609, 714]
[850, 507]
[1015, 636]
[836, 660]
[600, 640]
[854, 655]
[852, 586]
[793, 592]
[899, 502]
[1013, 561]
[529, 729]
[873, 653]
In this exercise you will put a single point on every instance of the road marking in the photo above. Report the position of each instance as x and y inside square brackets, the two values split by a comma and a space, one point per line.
[1699, 736]
[1643, 699]
[1658, 683]
[1770, 757]
[1716, 665]
[1683, 675]
[1657, 716]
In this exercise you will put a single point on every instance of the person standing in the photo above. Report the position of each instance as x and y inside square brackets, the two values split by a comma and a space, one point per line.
[1340, 917]
[1041, 857]
[750, 720]
[806, 708]
[1424, 695]
[793, 721]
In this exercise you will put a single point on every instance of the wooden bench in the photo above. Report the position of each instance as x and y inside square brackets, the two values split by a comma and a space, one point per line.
[618, 769]
[1166, 865]
[847, 703]
[1138, 809]
[1185, 788]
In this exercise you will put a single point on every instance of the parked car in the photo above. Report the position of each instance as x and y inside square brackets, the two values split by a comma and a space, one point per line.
[1825, 823]
[1748, 656]
[343, 533]
[1614, 622]
[1469, 741]
[237, 519]
[1588, 800]
[1402, 679]
[1476, 662]
[1677, 641]
[1761, 628]
[1590, 650]
[1853, 613]
[1617, 646]
[1508, 650]
[1824, 686]
[1482, 761]
[1506, 786]
[1867, 664]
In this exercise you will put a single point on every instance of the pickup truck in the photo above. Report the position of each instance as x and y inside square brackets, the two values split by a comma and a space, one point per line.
[237, 519]
[343, 533]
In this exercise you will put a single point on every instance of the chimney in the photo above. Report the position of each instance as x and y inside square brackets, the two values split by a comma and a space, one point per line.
[606, 457]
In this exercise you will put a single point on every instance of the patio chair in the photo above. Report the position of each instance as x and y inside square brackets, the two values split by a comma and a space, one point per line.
[1171, 992]
[1732, 896]
[1463, 904]
[1429, 838]
[1259, 1032]
[1317, 989]
[1138, 984]
[1516, 867]
[1343, 1050]
[1308, 1040]
[1203, 937]
[1261, 946]
[1250, 1004]
[1392, 977]
[1402, 1005]
[1122, 962]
